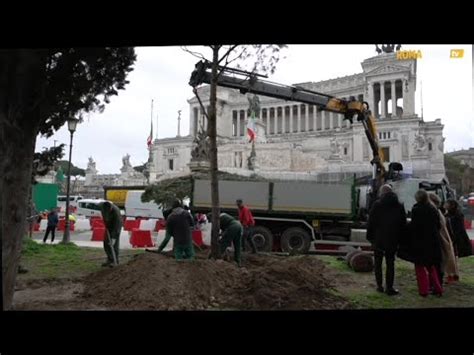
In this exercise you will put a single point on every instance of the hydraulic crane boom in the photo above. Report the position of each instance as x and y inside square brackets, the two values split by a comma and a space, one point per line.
[350, 109]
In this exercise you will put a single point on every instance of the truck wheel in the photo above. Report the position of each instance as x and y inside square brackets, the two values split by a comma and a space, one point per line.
[263, 238]
[295, 240]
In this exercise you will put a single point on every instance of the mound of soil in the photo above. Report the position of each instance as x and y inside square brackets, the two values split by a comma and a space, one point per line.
[158, 282]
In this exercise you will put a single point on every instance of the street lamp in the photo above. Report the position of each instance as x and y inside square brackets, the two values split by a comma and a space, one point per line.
[71, 125]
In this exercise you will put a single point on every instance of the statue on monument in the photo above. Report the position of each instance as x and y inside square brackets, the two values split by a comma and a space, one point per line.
[419, 142]
[126, 163]
[441, 144]
[335, 147]
[254, 106]
[387, 48]
[201, 147]
[91, 164]
[252, 158]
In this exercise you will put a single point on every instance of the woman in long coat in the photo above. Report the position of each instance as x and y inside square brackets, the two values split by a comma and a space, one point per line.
[448, 259]
[461, 242]
[426, 244]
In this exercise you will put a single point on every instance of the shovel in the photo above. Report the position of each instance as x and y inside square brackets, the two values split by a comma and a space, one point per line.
[111, 244]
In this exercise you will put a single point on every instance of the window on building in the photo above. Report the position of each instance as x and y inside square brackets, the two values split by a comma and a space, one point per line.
[234, 123]
[243, 130]
[171, 164]
[388, 135]
[430, 146]
[386, 154]
[265, 120]
[345, 150]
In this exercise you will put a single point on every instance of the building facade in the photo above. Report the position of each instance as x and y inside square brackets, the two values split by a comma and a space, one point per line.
[465, 156]
[299, 140]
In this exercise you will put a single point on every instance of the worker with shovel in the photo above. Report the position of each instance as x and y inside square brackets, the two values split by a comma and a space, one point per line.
[113, 226]
[231, 234]
[179, 224]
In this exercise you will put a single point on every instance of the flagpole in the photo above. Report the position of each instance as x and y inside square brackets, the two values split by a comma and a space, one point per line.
[421, 95]
[151, 118]
[156, 125]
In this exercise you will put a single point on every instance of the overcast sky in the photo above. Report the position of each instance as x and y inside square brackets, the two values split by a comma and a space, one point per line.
[162, 74]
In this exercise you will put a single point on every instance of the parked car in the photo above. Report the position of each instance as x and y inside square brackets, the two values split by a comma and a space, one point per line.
[90, 207]
[73, 201]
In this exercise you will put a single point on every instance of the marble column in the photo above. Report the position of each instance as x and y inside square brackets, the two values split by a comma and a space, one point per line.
[394, 99]
[383, 103]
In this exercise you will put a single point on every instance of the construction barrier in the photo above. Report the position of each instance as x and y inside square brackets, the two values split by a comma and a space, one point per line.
[98, 234]
[62, 225]
[197, 237]
[43, 225]
[468, 223]
[147, 224]
[92, 219]
[98, 223]
[82, 225]
[141, 239]
[160, 224]
[131, 224]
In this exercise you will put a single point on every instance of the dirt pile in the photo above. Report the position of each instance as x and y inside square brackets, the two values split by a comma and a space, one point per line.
[152, 281]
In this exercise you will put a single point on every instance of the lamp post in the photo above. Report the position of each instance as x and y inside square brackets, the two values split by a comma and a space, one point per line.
[71, 125]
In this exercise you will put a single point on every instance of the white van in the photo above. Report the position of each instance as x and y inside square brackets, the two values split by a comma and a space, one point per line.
[73, 200]
[89, 207]
[134, 207]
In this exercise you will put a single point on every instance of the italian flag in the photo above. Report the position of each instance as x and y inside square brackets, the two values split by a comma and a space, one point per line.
[251, 128]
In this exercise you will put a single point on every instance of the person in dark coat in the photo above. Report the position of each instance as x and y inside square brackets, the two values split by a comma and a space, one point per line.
[426, 244]
[53, 221]
[386, 224]
[179, 224]
[232, 232]
[113, 225]
[455, 218]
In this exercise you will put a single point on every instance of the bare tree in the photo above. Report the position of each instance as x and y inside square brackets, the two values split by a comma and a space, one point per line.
[255, 58]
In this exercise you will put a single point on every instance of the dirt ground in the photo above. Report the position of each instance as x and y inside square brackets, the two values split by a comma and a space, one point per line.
[151, 281]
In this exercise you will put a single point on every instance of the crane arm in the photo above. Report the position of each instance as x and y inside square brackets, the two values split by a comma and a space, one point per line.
[250, 83]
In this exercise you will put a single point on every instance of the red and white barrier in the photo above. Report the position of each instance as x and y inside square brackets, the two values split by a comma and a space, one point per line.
[98, 234]
[82, 225]
[468, 223]
[147, 224]
[141, 239]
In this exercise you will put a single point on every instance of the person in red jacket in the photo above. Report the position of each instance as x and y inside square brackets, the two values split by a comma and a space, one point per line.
[247, 221]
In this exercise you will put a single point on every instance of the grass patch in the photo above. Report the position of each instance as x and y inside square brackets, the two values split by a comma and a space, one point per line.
[359, 290]
[49, 261]
[334, 263]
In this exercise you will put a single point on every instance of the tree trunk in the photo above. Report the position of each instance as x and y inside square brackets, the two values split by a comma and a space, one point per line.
[22, 79]
[212, 133]
[15, 183]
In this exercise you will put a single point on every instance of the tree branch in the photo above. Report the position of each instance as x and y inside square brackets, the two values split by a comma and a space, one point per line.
[227, 53]
[195, 54]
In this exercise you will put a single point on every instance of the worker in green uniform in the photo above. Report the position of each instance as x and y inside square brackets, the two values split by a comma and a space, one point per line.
[231, 233]
[179, 225]
[113, 224]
